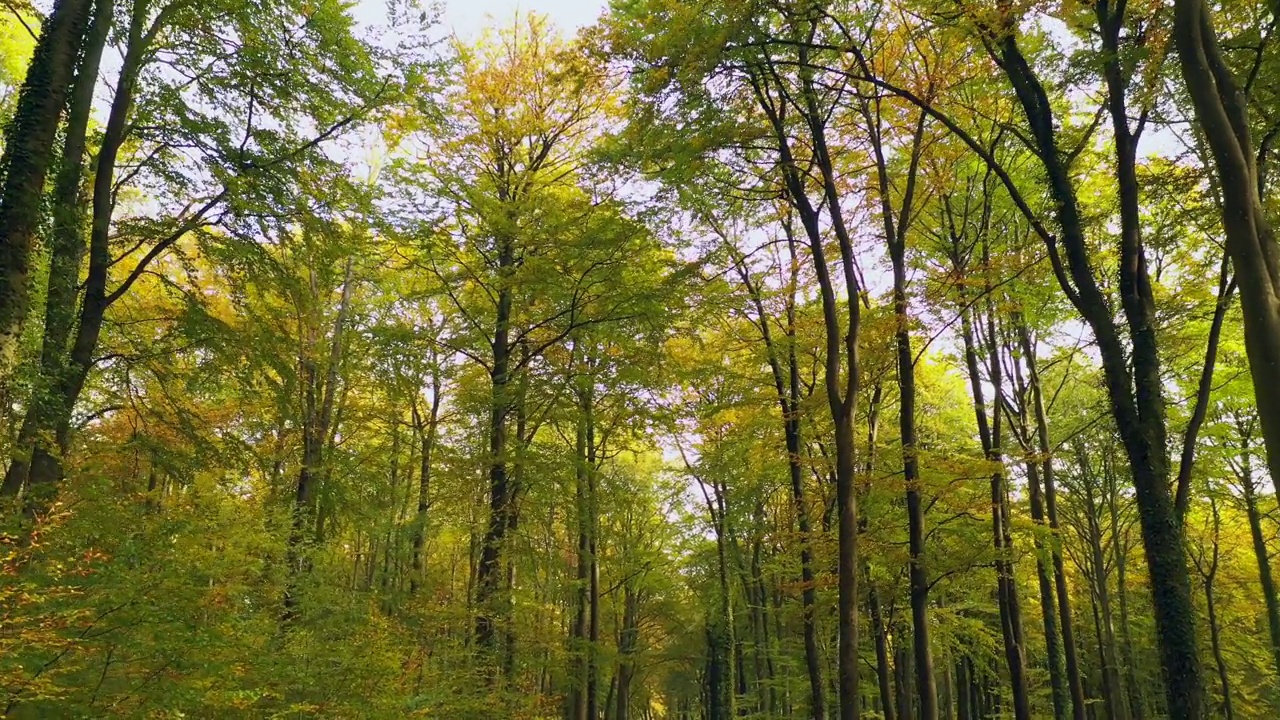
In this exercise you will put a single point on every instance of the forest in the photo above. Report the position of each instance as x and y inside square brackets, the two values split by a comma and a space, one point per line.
[814, 359]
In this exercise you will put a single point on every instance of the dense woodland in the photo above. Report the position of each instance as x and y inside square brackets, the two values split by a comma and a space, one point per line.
[825, 359]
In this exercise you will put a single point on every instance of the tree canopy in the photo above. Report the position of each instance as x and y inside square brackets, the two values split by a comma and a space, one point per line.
[825, 359]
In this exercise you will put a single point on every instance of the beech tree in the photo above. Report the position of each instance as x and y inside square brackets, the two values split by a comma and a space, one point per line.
[703, 363]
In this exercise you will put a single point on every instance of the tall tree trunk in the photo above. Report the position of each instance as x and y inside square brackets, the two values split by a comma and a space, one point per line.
[1099, 575]
[1222, 114]
[1204, 389]
[722, 643]
[1131, 370]
[66, 254]
[841, 350]
[788, 393]
[320, 397]
[1120, 550]
[884, 672]
[902, 683]
[46, 465]
[1261, 553]
[989, 433]
[896, 231]
[427, 429]
[1048, 601]
[593, 558]
[28, 152]
[46, 457]
[489, 568]
[515, 484]
[581, 619]
[884, 667]
[1074, 683]
[628, 643]
[964, 710]
[1048, 610]
[1209, 573]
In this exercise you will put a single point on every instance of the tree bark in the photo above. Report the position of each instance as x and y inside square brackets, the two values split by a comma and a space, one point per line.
[989, 434]
[46, 457]
[1221, 110]
[896, 235]
[1074, 683]
[427, 429]
[628, 644]
[66, 254]
[1261, 553]
[841, 347]
[1136, 396]
[28, 153]
[320, 396]
[788, 394]
[1209, 573]
[489, 568]
[1119, 549]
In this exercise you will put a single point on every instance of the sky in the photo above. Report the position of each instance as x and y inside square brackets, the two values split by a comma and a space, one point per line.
[468, 17]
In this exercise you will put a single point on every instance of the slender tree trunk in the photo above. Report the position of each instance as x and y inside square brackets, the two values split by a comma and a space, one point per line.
[1119, 549]
[489, 568]
[319, 398]
[1215, 639]
[628, 641]
[46, 463]
[841, 350]
[593, 558]
[1058, 691]
[883, 670]
[1074, 684]
[896, 233]
[1047, 600]
[964, 710]
[1261, 553]
[788, 392]
[1204, 389]
[989, 433]
[427, 438]
[902, 683]
[1101, 593]
[1131, 370]
[1209, 574]
[578, 639]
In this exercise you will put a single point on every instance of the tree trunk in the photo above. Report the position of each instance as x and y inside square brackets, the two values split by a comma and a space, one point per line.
[1112, 694]
[1209, 573]
[841, 349]
[1045, 584]
[66, 254]
[489, 568]
[1132, 374]
[1074, 684]
[28, 152]
[989, 433]
[1261, 553]
[883, 670]
[926, 685]
[427, 438]
[788, 392]
[1222, 114]
[46, 463]
[1119, 548]
[320, 396]
[628, 642]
